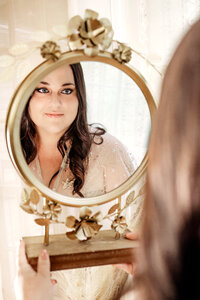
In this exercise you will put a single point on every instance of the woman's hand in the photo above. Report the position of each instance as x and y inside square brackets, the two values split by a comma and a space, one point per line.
[31, 285]
[129, 268]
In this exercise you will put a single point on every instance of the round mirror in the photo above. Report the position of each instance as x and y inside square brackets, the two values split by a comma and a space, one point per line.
[104, 138]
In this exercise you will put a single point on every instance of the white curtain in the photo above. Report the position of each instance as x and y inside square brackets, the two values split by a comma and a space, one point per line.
[150, 27]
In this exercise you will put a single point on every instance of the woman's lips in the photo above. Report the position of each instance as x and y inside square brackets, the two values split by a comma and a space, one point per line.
[54, 115]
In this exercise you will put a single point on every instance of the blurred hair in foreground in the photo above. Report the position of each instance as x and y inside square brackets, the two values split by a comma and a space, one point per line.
[169, 262]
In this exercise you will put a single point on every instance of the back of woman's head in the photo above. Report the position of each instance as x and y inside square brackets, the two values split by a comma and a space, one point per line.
[170, 264]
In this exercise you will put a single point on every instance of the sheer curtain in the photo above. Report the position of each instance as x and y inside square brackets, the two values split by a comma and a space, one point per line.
[150, 27]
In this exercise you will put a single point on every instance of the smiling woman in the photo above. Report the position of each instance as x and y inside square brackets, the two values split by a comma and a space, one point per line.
[61, 148]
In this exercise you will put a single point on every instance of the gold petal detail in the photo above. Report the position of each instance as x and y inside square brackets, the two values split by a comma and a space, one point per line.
[88, 231]
[130, 198]
[94, 28]
[80, 234]
[88, 42]
[71, 235]
[42, 222]
[91, 51]
[98, 216]
[34, 197]
[27, 208]
[57, 208]
[70, 221]
[24, 196]
[74, 24]
[96, 227]
[75, 42]
[106, 22]
[90, 14]
[107, 42]
[85, 212]
[113, 208]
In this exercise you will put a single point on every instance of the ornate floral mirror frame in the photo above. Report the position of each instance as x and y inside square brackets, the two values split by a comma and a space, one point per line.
[16, 109]
[87, 40]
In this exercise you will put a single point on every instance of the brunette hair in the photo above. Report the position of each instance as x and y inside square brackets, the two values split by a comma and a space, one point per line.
[169, 262]
[78, 133]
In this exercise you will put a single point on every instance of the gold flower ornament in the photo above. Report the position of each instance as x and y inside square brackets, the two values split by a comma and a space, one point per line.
[123, 53]
[52, 210]
[89, 33]
[86, 227]
[50, 50]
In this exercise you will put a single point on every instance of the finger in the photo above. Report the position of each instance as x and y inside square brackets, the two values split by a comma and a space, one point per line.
[132, 236]
[53, 281]
[22, 263]
[44, 264]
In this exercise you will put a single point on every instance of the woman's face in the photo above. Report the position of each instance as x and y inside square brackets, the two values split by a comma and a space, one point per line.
[54, 104]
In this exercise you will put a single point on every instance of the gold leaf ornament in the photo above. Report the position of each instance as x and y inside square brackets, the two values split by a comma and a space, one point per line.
[113, 209]
[27, 208]
[34, 197]
[42, 222]
[130, 198]
[24, 197]
[50, 50]
[122, 54]
[25, 202]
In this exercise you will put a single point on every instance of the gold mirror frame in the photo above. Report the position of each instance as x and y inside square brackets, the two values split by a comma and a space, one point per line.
[17, 106]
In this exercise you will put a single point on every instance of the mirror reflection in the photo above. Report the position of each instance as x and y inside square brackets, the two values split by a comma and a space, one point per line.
[85, 146]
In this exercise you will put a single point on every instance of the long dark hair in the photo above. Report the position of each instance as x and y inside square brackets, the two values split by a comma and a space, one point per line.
[78, 133]
[169, 261]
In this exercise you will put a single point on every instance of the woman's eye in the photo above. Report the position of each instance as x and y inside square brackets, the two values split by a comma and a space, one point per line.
[42, 90]
[66, 91]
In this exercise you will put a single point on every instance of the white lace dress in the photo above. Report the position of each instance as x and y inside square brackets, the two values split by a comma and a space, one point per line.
[109, 166]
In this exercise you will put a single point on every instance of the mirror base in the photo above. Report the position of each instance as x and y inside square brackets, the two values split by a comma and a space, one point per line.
[103, 249]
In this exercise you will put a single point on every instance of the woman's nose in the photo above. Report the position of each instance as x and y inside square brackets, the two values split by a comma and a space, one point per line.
[55, 98]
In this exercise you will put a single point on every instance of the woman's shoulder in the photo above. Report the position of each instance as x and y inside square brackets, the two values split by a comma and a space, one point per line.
[106, 142]
[111, 153]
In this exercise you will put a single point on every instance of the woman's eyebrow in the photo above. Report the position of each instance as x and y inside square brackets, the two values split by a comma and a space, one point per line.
[69, 83]
[43, 82]
[65, 84]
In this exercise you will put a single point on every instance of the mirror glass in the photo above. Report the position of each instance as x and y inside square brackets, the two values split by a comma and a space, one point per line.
[118, 125]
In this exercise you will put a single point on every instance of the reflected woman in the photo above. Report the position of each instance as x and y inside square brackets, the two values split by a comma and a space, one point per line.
[62, 150]
[75, 159]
